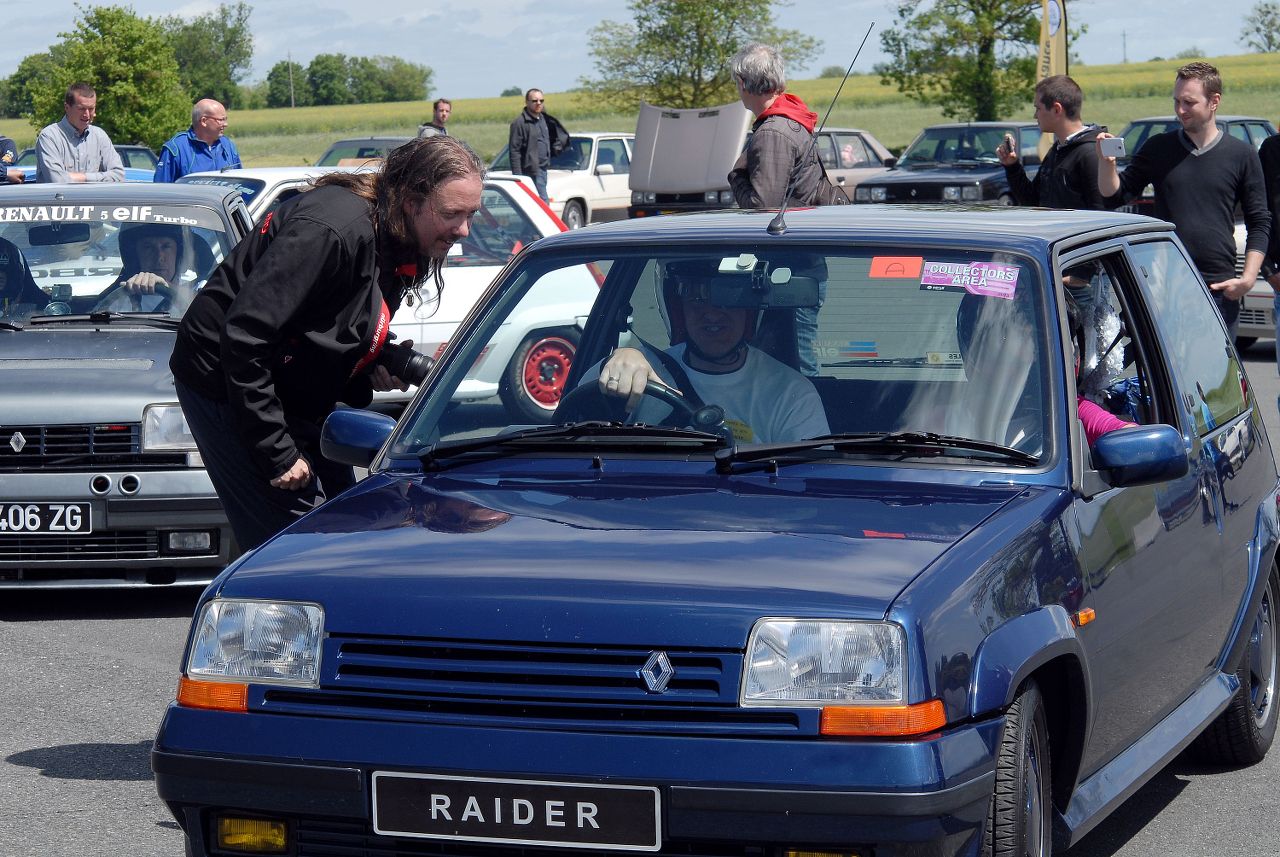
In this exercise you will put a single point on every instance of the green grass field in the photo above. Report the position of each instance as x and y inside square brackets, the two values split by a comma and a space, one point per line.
[1114, 94]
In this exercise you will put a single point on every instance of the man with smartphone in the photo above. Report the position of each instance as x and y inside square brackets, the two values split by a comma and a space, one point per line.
[1200, 175]
[1068, 175]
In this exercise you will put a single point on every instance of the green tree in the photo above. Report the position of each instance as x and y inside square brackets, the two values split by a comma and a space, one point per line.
[287, 86]
[378, 79]
[215, 51]
[676, 53]
[973, 58]
[1261, 30]
[832, 71]
[510, 91]
[33, 68]
[328, 75]
[130, 63]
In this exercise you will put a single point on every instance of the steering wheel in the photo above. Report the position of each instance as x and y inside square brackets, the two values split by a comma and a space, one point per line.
[165, 293]
[586, 402]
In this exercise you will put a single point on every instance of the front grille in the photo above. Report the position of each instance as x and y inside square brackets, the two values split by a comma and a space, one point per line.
[1254, 317]
[105, 546]
[917, 193]
[530, 686]
[329, 838]
[73, 447]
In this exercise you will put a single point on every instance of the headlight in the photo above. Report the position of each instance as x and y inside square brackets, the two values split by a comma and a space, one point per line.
[711, 197]
[971, 192]
[726, 197]
[879, 194]
[637, 197]
[799, 662]
[164, 429]
[951, 193]
[270, 642]
[861, 194]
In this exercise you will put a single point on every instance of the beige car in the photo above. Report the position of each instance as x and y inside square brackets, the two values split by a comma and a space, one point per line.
[851, 155]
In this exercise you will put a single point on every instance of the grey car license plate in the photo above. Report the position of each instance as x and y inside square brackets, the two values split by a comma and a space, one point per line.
[519, 812]
[45, 519]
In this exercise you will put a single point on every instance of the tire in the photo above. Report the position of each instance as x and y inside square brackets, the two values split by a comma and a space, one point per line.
[574, 216]
[1243, 342]
[534, 379]
[1019, 823]
[1004, 199]
[1242, 734]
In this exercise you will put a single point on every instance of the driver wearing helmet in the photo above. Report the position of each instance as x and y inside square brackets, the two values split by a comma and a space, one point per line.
[764, 400]
[151, 254]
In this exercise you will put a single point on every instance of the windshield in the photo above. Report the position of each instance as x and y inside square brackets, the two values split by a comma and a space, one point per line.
[576, 155]
[62, 259]
[249, 188]
[954, 144]
[788, 344]
[357, 153]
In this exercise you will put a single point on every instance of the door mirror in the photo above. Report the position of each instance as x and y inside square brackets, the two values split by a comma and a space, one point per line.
[354, 437]
[1141, 455]
[604, 169]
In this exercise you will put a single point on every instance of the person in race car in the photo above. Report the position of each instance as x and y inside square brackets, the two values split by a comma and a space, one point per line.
[764, 400]
[17, 288]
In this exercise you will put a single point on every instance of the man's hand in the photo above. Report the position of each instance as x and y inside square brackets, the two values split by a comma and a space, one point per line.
[1108, 177]
[383, 380]
[144, 283]
[1232, 289]
[297, 477]
[15, 175]
[1006, 151]
[627, 373]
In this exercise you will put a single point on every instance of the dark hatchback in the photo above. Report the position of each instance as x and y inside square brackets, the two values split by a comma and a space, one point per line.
[948, 623]
[954, 163]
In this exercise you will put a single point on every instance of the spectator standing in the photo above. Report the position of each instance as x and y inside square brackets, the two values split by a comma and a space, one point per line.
[1200, 174]
[781, 135]
[73, 149]
[440, 110]
[1068, 175]
[9, 154]
[536, 137]
[201, 148]
[292, 322]
[1269, 155]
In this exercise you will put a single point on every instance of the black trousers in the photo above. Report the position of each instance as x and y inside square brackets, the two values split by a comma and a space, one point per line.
[255, 509]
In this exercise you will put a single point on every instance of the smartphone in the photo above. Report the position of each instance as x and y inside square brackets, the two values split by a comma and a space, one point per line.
[1112, 147]
[1006, 145]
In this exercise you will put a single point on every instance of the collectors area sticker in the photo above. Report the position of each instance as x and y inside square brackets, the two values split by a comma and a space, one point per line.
[977, 278]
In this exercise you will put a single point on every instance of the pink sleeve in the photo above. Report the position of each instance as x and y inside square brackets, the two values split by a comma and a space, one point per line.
[1097, 420]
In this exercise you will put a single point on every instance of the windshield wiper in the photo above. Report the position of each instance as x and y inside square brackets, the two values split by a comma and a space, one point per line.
[156, 319]
[9, 325]
[614, 432]
[911, 442]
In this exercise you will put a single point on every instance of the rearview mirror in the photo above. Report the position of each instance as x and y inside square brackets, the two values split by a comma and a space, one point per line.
[53, 234]
[751, 293]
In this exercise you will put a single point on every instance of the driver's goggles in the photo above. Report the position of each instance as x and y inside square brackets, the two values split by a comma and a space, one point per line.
[698, 290]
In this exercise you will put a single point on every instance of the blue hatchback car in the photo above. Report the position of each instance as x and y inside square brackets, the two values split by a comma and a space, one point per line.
[889, 532]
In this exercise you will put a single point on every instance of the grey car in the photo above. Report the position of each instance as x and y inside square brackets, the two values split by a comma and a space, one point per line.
[100, 482]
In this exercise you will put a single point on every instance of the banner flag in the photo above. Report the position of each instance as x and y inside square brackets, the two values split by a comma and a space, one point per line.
[1053, 49]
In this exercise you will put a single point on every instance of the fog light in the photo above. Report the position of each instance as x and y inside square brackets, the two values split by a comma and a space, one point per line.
[190, 541]
[252, 835]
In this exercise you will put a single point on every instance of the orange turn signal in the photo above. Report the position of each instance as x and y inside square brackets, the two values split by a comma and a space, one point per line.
[884, 720]
[1084, 617]
[220, 695]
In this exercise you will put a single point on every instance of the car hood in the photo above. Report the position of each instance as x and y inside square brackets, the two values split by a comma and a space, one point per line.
[936, 173]
[608, 561]
[65, 374]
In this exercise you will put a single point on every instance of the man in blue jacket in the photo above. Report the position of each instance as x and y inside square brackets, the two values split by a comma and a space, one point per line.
[202, 147]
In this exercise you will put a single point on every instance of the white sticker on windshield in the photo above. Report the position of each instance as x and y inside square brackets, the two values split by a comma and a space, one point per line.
[976, 278]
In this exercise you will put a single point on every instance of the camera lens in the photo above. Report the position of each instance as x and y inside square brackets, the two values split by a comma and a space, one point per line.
[405, 363]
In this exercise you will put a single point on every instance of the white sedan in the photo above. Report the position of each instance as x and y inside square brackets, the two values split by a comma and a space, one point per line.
[527, 366]
[590, 180]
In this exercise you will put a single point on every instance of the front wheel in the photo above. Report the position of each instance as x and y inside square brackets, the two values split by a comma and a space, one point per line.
[1243, 342]
[1242, 734]
[534, 379]
[574, 216]
[1018, 822]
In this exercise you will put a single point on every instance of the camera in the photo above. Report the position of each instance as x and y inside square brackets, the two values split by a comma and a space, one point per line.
[1111, 147]
[402, 362]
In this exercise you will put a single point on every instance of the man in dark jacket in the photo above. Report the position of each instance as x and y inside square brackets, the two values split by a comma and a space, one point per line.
[782, 135]
[1068, 176]
[9, 174]
[294, 320]
[1200, 174]
[536, 137]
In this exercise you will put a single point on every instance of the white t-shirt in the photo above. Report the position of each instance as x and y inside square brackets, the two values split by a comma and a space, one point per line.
[764, 401]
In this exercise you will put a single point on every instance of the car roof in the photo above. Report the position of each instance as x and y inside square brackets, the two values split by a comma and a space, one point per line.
[986, 225]
[1221, 117]
[595, 135]
[276, 173]
[126, 193]
[370, 139]
[982, 125]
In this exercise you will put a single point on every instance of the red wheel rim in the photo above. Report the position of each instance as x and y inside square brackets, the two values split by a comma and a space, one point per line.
[546, 365]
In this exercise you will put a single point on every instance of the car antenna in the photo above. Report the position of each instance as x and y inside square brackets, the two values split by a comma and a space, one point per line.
[777, 226]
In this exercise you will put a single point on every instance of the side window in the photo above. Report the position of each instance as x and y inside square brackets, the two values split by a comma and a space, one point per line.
[499, 230]
[503, 161]
[1207, 373]
[1029, 141]
[1239, 132]
[854, 152]
[827, 151]
[1258, 132]
[615, 153]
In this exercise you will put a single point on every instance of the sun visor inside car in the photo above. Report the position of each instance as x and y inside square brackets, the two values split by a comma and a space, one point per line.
[53, 234]
[758, 293]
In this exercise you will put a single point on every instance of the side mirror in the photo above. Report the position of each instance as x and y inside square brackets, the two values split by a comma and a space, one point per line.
[604, 169]
[890, 162]
[354, 437]
[1141, 455]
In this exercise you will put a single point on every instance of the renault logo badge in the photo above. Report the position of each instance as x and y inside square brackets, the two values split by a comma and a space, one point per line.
[657, 672]
[17, 442]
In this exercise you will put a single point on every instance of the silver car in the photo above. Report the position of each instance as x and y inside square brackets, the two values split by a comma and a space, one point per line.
[100, 481]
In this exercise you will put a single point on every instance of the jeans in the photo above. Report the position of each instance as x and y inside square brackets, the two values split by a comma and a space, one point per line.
[807, 333]
[540, 182]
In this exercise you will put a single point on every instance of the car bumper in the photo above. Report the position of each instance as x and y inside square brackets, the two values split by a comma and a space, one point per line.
[133, 541]
[716, 795]
[1257, 313]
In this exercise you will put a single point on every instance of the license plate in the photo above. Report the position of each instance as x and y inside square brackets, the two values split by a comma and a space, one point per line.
[517, 812]
[45, 519]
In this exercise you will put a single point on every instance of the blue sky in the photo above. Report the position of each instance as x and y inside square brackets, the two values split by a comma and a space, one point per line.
[480, 47]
